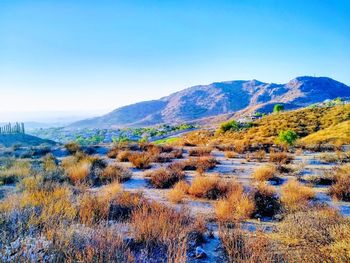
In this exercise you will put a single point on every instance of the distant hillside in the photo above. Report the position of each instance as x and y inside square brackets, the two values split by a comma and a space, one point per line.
[218, 98]
[8, 140]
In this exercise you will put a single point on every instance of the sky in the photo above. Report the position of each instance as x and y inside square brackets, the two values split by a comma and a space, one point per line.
[64, 58]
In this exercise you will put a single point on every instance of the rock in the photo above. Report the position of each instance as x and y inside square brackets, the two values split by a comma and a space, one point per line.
[200, 253]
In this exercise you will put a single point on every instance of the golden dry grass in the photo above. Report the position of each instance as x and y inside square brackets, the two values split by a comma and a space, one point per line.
[295, 196]
[236, 207]
[179, 191]
[264, 173]
[212, 187]
[341, 188]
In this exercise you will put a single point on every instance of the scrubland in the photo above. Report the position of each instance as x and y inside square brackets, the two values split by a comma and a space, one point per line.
[237, 196]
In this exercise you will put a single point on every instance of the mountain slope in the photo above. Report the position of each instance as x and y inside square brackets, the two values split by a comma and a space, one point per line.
[204, 101]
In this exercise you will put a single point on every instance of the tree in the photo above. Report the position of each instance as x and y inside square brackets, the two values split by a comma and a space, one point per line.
[277, 108]
[288, 137]
[229, 126]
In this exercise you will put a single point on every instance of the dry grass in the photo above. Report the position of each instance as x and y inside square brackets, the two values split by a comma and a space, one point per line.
[315, 235]
[259, 155]
[295, 196]
[141, 160]
[165, 178]
[72, 147]
[280, 157]
[178, 193]
[123, 156]
[231, 154]
[211, 187]
[14, 171]
[77, 172]
[242, 246]
[236, 207]
[154, 224]
[200, 151]
[114, 172]
[336, 135]
[341, 188]
[264, 173]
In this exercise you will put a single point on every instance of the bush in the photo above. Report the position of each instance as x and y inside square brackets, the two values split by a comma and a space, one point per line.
[236, 207]
[200, 151]
[341, 189]
[13, 171]
[287, 137]
[266, 201]
[295, 196]
[259, 155]
[244, 246]
[177, 194]
[230, 154]
[155, 224]
[123, 156]
[210, 187]
[140, 160]
[72, 147]
[277, 108]
[280, 157]
[264, 173]
[114, 172]
[165, 178]
[229, 126]
[315, 235]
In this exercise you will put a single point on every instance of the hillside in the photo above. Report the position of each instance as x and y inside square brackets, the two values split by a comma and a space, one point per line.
[200, 102]
[8, 140]
[313, 126]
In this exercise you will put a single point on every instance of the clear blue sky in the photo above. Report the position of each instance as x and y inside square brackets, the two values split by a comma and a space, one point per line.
[93, 55]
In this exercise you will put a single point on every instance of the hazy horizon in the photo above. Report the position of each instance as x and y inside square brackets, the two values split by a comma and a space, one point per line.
[84, 59]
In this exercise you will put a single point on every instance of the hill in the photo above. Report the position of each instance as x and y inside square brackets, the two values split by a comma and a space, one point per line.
[8, 140]
[320, 125]
[203, 101]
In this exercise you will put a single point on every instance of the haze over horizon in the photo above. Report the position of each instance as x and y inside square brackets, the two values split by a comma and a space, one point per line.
[90, 58]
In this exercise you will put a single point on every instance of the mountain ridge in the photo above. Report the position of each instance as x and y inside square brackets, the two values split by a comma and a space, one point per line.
[227, 97]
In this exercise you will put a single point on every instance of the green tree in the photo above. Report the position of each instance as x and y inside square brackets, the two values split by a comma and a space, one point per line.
[288, 137]
[277, 108]
[229, 126]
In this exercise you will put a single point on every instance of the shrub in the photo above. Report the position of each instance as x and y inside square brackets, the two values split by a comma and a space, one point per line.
[277, 108]
[177, 194]
[165, 178]
[259, 155]
[244, 246]
[236, 207]
[266, 200]
[78, 172]
[295, 196]
[264, 173]
[230, 154]
[155, 224]
[72, 147]
[280, 157]
[123, 156]
[49, 163]
[200, 151]
[14, 171]
[308, 236]
[114, 172]
[229, 126]
[204, 164]
[140, 160]
[341, 189]
[210, 187]
[287, 137]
